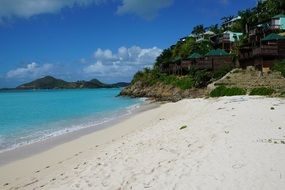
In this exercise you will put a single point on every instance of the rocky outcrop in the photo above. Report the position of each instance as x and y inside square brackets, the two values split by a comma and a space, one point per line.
[161, 92]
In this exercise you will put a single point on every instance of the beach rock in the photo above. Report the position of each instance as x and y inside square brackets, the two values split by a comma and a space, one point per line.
[161, 92]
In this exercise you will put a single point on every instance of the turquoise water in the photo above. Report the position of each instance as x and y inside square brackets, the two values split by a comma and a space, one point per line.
[31, 116]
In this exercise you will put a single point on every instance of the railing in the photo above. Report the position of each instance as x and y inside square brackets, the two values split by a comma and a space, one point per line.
[224, 39]
[247, 55]
[274, 27]
[266, 50]
[269, 27]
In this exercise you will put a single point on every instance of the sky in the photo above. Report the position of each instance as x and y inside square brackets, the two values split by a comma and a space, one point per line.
[105, 39]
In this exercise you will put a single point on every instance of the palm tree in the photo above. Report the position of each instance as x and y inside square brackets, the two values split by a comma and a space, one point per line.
[199, 29]
[282, 6]
[214, 28]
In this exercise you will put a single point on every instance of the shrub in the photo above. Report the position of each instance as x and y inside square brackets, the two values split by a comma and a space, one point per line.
[148, 77]
[202, 78]
[195, 78]
[263, 91]
[280, 66]
[222, 72]
[183, 83]
[224, 91]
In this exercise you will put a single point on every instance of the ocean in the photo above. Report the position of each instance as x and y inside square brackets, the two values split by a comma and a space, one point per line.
[35, 115]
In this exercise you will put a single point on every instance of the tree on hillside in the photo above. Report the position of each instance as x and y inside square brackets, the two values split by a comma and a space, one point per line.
[215, 28]
[237, 26]
[202, 47]
[186, 47]
[164, 57]
[246, 19]
[282, 6]
[263, 12]
[199, 29]
[266, 10]
[227, 18]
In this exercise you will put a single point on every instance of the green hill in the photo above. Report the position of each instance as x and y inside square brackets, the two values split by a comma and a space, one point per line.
[50, 82]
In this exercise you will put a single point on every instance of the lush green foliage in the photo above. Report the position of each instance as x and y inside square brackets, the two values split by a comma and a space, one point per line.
[261, 13]
[262, 91]
[164, 57]
[183, 50]
[199, 29]
[215, 28]
[195, 78]
[201, 77]
[183, 83]
[150, 77]
[280, 66]
[222, 72]
[147, 77]
[249, 17]
[224, 91]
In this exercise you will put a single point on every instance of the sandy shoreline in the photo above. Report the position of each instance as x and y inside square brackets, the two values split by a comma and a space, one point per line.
[229, 143]
[44, 145]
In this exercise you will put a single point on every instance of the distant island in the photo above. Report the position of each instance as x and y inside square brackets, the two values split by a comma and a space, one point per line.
[49, 82]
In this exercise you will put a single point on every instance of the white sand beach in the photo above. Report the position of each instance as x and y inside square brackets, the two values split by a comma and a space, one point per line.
[229, 143]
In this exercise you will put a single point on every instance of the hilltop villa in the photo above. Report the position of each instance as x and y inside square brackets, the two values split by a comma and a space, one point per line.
[266, 44]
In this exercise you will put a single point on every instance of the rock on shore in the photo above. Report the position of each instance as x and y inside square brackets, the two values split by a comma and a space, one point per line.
[161, 92]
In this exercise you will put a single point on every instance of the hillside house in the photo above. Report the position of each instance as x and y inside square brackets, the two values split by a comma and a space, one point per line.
[216, 59]
[226, 40]
[204, 36]
[275, 25]
[270, 49]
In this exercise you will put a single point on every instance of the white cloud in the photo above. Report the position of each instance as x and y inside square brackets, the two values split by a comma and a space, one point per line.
[31, 70]
[144, 8]
[98, 68]
[27, 8]
[106, 70]
[104, 54]
[125, 62]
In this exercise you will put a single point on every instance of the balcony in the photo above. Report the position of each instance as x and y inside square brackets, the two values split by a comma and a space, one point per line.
[224, 39]
[265, 50]
[274, 27]
[265, 28]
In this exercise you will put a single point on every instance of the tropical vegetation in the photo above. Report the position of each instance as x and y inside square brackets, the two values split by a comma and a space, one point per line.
[280, 66]
[262, 91]
[188, 45]
[224, 91]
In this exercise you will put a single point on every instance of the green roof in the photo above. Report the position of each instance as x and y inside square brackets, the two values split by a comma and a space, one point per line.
[273, 37]
[279, 16]
[194, 56]
[217, 52]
